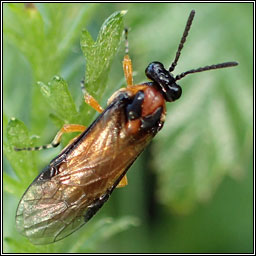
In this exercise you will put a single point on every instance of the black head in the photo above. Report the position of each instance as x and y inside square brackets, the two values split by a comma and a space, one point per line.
[165, 80]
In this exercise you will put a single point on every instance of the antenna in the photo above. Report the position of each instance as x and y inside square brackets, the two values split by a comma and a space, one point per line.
[126, 40]
[206, 68]
[183, 40]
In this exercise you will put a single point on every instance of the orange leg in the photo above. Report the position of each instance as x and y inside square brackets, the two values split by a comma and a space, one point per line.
[127, 63]
[123, 182]
[127, 67]
[67, 128]
[90, 100]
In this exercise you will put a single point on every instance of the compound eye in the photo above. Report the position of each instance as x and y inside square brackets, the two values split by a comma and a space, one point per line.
[153, 70]
[173, 93]
[177, 91]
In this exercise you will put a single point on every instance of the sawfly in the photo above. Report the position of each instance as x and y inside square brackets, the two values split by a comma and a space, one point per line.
[76, 183]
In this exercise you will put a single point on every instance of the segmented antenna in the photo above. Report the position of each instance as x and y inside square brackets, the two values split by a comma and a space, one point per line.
[206, 68]
[126, 41]
[183, 40]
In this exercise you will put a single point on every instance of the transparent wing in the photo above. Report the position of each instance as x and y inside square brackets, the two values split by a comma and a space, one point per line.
[45, 216]
[55, 205]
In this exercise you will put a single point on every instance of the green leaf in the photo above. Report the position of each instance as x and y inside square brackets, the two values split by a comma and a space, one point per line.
[22, 162]
[99, 54]
[12, 186]
[87, 241]
[60, 100]
[22, 245]
[102, 230]
[26, 31]
[45, 33]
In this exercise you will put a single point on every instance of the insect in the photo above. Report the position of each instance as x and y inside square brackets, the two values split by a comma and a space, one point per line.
[76, 183]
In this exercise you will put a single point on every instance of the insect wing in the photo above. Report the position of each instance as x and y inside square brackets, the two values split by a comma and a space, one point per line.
[54, 206]
[43, 214]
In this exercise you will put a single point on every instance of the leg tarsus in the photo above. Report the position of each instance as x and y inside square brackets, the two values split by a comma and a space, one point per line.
[67, 128]
[123, 182]
[126, 41]
[90, 100]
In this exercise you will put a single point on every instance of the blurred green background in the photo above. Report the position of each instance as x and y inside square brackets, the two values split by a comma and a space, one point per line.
[191, 191]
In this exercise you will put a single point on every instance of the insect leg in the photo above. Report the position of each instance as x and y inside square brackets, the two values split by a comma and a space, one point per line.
[127, 63]
[127, 67]
[67, 128]
[123, 182]
[90, 100]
